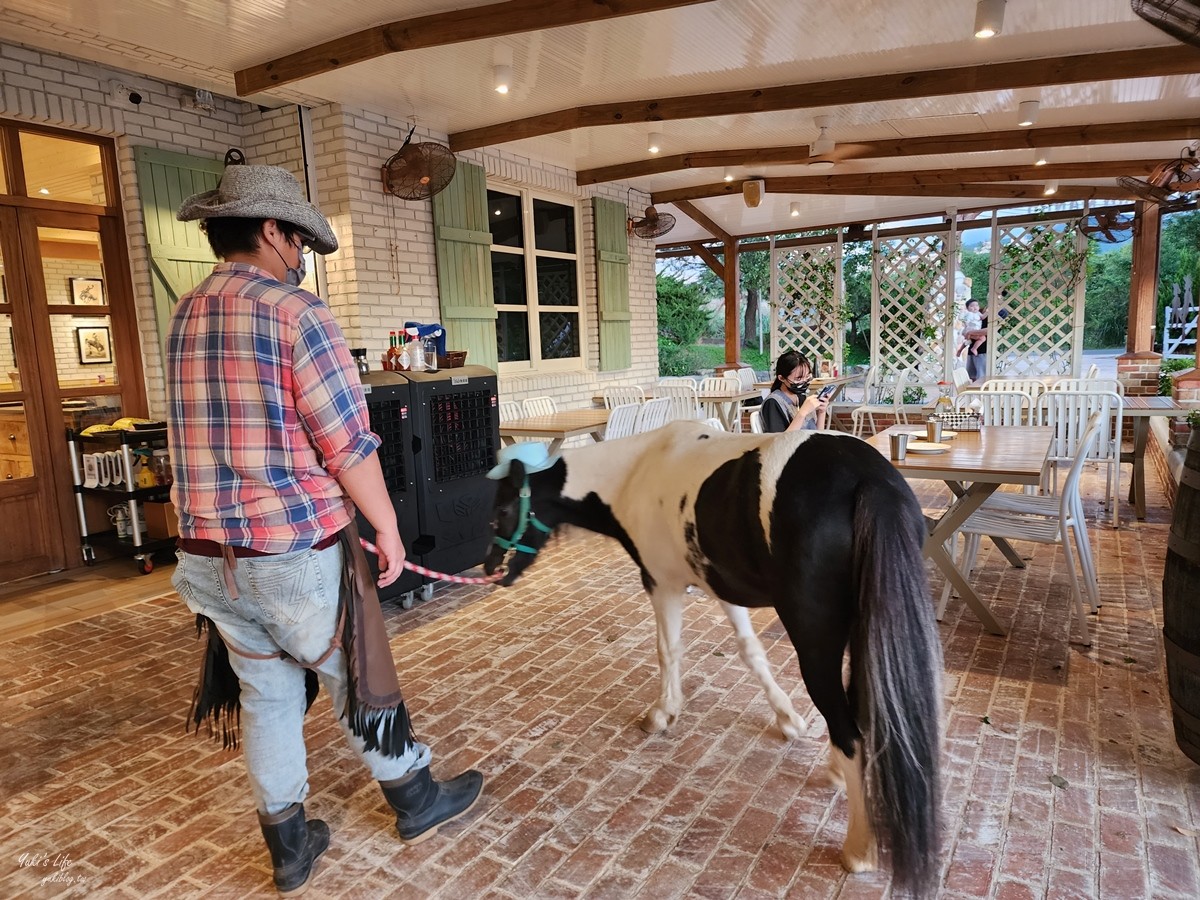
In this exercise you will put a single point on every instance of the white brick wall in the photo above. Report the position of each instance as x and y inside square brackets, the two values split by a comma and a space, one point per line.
[385, 271]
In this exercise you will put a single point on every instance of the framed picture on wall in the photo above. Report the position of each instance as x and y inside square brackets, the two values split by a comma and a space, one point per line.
[95, 345]
[87, 291]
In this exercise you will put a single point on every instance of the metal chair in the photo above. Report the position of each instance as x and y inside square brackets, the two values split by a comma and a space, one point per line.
[620, 394]
[1089, 384]
[509, 410]
[888, 401]
[622, 421]
[1068, 413]
[1034, 387]
[539, 406]
[684, 402]
[997, 407]
[653, 414]
[1044, 520]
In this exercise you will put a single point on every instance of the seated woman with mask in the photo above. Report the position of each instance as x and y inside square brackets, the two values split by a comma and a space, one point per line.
[788, 407]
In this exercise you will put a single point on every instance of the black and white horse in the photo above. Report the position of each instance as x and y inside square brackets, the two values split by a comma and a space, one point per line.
[818, 526]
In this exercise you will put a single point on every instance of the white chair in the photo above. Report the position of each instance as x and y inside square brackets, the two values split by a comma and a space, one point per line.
[888, 401]
[622, 421]
[1092, 371]
[1044, 520]
[677, 379]
[719, 386]
[509, 410]
[756, 421]
[539, 406]
[714, 422]
[1089, 384]
[620, 394]
[961, 378]
[997, 407]
[684, 402]
[653, 414]
[1034, 387]
[1068, 413]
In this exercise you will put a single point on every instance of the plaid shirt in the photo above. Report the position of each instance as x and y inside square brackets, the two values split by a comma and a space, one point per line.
[266, 409]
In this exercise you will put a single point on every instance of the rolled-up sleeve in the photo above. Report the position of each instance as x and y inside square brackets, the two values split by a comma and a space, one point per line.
[328, 393]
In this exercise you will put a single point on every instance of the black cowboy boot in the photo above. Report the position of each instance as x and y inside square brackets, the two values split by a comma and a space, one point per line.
[295, 845]
[422, 804]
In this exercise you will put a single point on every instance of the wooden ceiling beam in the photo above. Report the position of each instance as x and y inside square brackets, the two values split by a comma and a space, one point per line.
[689, 209]
[1147, 62]
[436, 30]
[710, 259]
[892, 148]
[820, 184]
[999, 191]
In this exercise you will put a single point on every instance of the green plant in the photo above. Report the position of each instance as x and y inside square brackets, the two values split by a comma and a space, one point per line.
[1166, 368]
[1046, 249]
[1193, 418]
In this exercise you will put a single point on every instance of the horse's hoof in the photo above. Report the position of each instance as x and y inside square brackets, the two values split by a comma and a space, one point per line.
[656, 721]
[856, 862]
[836, 778]
[793, 726]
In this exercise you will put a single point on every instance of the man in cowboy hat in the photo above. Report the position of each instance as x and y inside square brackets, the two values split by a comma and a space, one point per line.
[269, 434]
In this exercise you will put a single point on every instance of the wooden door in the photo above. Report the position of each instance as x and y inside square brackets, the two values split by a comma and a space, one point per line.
[73, 342]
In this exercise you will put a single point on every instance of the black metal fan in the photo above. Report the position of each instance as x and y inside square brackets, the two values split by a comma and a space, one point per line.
[653, 224]
[1167, 182]
[418, 171]
[1178, 18]
[1108, 226]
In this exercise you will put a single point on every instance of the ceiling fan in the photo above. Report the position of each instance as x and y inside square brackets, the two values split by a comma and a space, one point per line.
[825, 153]
[1168, 183]
[1178, 18]
[1109, 226]
[653, 224]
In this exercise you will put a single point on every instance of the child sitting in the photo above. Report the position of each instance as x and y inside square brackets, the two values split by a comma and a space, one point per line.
[974, 334]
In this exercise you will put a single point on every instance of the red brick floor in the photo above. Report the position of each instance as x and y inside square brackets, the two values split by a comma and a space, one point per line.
[541, 687]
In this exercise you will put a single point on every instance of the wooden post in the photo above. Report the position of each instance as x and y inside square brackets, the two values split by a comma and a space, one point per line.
[733, 271]
[1138, 366]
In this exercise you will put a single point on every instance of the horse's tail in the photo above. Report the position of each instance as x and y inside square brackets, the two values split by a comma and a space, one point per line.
[896, 660]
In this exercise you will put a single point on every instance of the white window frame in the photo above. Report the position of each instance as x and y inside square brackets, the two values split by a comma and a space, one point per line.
[535, 363]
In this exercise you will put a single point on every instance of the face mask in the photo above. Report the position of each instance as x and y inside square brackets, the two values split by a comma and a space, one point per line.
[798, 387]
[295, 274]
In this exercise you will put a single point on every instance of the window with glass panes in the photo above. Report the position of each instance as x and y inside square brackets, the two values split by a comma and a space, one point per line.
[535, 277]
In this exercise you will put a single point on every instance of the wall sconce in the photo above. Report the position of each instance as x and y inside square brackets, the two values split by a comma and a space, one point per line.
[989, 18]
[654, 142]
[1027, 113]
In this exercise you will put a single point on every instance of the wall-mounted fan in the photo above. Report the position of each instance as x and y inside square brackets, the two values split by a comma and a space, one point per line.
[1178, 18]
[1168, 182]
[1107, 226]
[418, 171]
[653, 224]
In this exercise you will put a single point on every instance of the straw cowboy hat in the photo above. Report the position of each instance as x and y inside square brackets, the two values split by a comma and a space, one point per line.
[262, 192]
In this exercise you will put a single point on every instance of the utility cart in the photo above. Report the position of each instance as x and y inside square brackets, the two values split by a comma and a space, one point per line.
[106, 465]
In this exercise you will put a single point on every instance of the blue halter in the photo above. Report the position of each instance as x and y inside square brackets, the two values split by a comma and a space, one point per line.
[525, 518]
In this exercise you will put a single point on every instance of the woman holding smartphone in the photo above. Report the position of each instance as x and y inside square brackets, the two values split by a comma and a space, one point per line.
[788, 407]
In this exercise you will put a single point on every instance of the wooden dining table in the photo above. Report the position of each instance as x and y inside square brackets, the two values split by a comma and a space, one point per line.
[974, 466]
[1140, 410]
[556, 427]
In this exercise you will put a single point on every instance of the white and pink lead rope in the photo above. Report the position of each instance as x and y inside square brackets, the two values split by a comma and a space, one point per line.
[441, 576]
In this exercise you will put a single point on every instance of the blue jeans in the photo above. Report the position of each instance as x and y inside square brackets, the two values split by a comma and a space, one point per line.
[286, 602]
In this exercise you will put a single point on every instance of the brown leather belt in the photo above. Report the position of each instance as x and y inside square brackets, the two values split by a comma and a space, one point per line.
[205, 547]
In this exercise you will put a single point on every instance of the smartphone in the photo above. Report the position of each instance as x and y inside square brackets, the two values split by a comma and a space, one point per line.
[826, 391]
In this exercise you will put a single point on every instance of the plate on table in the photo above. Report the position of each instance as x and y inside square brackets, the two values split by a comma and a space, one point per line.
[927, 447]
[946, 435]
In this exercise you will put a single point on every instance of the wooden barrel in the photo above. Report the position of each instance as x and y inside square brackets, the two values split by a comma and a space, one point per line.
[1181, 604]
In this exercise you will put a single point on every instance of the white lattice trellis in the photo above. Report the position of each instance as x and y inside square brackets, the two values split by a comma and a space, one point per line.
[1036, 320]
[912, 304]
[806, 301]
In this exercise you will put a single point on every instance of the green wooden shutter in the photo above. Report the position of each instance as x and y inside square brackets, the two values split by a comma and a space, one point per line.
[180, 257]
[464, 265]
[612, 284]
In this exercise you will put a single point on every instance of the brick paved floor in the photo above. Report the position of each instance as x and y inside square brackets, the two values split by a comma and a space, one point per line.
[541, 687]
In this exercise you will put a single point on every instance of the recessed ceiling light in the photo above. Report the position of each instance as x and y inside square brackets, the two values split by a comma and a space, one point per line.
[495, 212]
[502, 78]
[654, 142]
[1041, 157]
[989, 18]
[1050, 189]
[1027, 113]
[728, 174]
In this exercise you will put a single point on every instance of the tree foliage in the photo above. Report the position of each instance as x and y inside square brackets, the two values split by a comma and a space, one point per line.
[683, 319]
